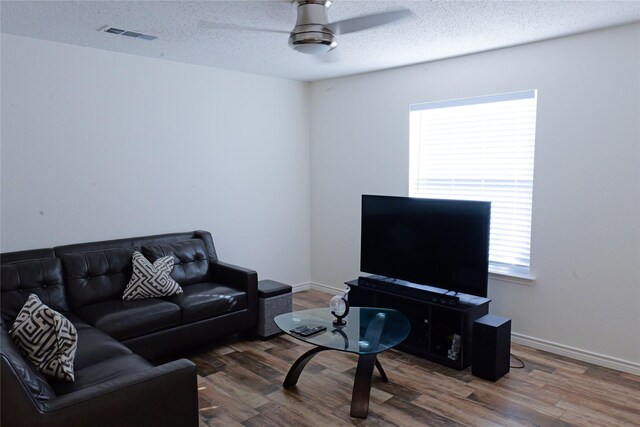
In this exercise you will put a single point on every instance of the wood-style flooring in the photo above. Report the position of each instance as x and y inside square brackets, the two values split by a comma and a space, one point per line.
[240, 384]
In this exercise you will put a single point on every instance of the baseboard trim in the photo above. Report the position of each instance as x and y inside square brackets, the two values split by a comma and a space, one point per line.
[578, 354]
[301, 287]
[334, 290]
[537, 343]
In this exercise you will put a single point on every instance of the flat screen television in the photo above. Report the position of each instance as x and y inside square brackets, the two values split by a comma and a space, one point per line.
[434, 242]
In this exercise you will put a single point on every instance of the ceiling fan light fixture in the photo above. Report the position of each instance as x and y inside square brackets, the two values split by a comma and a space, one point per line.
[313, 34]
[313, 42]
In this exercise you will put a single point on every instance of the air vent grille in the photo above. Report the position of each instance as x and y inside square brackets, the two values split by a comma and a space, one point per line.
[132, 34]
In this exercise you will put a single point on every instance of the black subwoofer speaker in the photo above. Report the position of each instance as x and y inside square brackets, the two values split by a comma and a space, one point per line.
[491, 347]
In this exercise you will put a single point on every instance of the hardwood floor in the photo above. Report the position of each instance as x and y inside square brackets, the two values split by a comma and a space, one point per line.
[240, 384]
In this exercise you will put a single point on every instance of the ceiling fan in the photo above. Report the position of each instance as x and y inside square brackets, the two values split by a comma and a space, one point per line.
[313, 34]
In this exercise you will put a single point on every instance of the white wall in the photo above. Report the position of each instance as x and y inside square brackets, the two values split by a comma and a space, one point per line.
[586, 208]
[99, 145]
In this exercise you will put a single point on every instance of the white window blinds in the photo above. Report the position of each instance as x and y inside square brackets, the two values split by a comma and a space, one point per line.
[480, 149]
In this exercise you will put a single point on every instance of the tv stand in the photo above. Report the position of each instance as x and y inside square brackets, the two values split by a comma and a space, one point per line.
[434, 316]
[400, 287]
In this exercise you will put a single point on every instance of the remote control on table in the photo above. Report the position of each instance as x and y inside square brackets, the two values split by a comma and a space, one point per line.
[299, 329]
[314, 330]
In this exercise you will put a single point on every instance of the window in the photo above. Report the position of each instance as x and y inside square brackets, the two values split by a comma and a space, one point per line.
[481, 149]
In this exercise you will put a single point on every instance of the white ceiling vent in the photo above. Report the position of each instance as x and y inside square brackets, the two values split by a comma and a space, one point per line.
[128, 33]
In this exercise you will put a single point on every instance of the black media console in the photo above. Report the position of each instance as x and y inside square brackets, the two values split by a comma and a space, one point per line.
[435, 317]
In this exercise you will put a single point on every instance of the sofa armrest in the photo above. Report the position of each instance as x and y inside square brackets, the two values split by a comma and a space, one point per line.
[166, 395]
[229, 274]
[240, 278]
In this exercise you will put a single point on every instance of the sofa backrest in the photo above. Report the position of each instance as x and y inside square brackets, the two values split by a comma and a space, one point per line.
[22, 275]
[190, 261]
[96, 271]
[96, 276]
[99, 271]
[139, 242]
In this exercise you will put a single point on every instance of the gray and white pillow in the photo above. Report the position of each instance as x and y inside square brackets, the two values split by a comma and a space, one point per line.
[46, 338]
[151, 280]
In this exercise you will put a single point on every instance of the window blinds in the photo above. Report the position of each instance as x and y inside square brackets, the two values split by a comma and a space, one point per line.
[480, 148]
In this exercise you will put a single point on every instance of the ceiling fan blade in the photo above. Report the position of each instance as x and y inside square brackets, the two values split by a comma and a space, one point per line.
[233, 27]
[365, 22]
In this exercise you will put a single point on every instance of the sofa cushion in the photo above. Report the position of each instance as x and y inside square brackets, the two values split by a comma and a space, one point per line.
[100, 373]
[129, 319]
[95, 346]
[96, 276]
[34, 381]
[42, 277]
[190, 259]
[46, 338]
[77, 322]
[151, 280]
[205, 300]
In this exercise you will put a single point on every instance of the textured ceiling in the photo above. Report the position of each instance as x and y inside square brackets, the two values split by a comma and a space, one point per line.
[202, 32]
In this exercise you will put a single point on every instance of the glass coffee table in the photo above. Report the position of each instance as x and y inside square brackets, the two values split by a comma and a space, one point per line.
[368, 331]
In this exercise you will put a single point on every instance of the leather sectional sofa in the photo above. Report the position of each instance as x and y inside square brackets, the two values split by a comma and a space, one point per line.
[115, 382]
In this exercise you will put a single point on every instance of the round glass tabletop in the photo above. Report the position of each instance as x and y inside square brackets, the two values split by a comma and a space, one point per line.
[367, 331]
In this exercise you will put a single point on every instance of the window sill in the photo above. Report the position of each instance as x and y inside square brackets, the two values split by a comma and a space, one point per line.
[508, 273]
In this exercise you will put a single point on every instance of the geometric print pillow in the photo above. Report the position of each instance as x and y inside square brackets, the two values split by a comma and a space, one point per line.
[47, 339]
[151, 280]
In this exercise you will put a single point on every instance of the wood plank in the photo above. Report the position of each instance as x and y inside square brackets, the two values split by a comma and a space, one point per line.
[346, 379]
[551, 364]
[579, 419]
[527, 387]
[338, 392]
[594, 387]
[485, 388]
[337, 361]
[306, 406]
[403, 413]
[424, 381]
[517, 409]
[254, 369]
[601, 411]
[246, 391]
[629, 381]
[221, 419]
[278, 415]
[461, 410]
[633, 403]
[215, 404]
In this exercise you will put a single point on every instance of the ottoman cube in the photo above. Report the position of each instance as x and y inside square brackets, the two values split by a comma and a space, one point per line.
[274, 298]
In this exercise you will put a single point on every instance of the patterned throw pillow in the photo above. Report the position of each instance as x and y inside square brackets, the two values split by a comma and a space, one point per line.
[47, 339]
[151, 280]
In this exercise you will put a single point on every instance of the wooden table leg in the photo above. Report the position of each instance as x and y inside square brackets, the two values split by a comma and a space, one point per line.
[361, 383]
[362, 386]
[298, 366]
[382, 373]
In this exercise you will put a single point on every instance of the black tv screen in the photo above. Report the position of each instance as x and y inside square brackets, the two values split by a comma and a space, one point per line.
[434, 242]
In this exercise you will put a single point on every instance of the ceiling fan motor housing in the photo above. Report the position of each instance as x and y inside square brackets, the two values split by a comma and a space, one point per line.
[311, 34]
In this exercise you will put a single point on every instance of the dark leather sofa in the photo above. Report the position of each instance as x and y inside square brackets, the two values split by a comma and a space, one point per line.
[115, 382]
